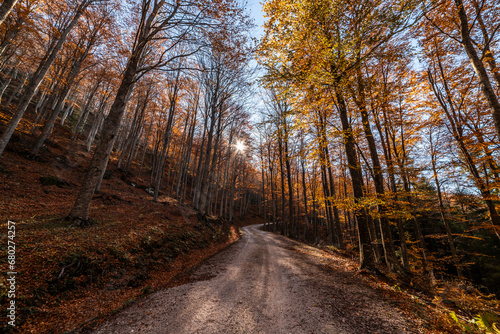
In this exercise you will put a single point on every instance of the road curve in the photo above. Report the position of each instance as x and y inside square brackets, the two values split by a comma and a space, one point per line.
[264, 283]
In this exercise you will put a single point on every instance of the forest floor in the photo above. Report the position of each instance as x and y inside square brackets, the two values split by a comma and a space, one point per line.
[69, 276]
[266, 283]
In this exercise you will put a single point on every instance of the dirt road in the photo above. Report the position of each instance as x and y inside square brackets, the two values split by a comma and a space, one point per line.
[264, 283]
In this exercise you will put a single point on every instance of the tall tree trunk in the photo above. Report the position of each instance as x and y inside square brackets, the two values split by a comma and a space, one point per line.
[80, 123]
[365, 248]
[488, 54]
[204, 185]
[8, 78]
[212, 166]
[291, 217]
[196, 189]
[284, 226]
[66, 88]
[392, 184]
[314, 210]
[80, 211]
[336, 219]
[402, 159]
[304, 192]
[167, 136]
[273, 193]
[187, 158]
[19, 88]
[264, 202]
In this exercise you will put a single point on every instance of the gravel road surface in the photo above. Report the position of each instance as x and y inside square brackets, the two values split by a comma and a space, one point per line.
[265, 283]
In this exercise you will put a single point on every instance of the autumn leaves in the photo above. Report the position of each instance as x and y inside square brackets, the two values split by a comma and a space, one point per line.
[354, 76]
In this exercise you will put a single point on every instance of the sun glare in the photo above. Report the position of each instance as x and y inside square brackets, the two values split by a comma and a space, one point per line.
[240, 146]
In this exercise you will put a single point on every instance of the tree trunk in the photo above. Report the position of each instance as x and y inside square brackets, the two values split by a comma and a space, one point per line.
[478, 65]
[457, 135]
[284, 228]
[82, 117]
[291, 217]
[392, 183]
[80, 211]
[365, 248]
[18, 90]
[6, 8]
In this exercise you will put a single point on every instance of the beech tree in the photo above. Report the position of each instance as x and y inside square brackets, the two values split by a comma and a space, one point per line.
[378, 129]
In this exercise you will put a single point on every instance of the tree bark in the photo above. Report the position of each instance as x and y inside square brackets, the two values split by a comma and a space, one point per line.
[80, 211]
[478, 65]
[6, 8]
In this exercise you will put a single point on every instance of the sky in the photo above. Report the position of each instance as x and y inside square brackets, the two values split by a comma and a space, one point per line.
[255, 8]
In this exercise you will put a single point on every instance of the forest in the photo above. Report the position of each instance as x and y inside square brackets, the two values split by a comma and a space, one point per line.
[370, 128]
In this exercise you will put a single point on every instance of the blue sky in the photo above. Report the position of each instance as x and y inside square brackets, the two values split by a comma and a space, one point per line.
[255, 10]
[256, 13]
